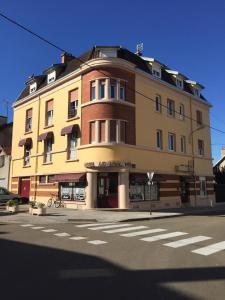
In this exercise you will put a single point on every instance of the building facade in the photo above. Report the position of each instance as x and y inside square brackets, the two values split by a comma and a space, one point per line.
[5, 151]
[91, 129]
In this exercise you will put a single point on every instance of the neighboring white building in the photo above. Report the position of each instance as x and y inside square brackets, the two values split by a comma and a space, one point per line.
[5, 151]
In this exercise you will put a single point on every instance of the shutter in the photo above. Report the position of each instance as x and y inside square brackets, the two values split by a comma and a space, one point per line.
[49, 105]
[73, 95]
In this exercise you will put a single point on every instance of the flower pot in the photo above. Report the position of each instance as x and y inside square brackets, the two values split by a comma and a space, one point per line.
[39, 211]
[12, 209]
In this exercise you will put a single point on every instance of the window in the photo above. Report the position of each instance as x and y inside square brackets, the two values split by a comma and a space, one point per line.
[122, 91]
[2, 161]
[92, 132]
[141, 191]
[33, 88]
[181, 111]
[48, 150]
[28, 125]
[113, 85]
[156, 73]
[51, 179]
[72, 146]
[49, 113]
[183, 144]
[73, 104]
[199, 117]
[123, 131]
[196, 92]
[107, 53]
[171, 142]
[102, 127]
[200, 147]
[42, 179]
[102, 87]
[27, 149]
[51, 77]
[93, 90]
[112, 131]
[171, 108]
[159, 144]
[158, 104]
[203, 190]
[179, 83]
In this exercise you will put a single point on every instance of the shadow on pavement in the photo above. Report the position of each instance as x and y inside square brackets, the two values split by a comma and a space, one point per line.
[37, 272]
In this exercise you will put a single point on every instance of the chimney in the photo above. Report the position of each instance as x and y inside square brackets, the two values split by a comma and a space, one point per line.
[3, 120]
[66, 57]
[222, 152]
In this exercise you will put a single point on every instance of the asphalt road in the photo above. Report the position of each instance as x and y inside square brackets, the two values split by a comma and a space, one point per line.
[69, 261]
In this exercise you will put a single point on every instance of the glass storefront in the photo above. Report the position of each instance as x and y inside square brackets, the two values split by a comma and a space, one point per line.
[72, 191]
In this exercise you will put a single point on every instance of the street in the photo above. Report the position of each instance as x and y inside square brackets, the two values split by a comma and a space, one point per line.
[175, 258]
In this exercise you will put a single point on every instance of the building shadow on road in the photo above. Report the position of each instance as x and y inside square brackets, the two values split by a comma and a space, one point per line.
[38, 272]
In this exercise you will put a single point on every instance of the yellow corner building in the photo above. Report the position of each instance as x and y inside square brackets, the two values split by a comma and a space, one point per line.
[112, 129]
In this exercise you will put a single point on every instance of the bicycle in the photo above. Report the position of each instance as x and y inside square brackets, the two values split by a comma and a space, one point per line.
[56, 201]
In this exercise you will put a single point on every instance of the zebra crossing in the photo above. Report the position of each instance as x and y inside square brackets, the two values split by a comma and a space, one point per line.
[135, 231]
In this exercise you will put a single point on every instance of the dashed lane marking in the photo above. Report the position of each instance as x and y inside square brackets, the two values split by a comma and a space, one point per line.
[78, 238]
[27, 225]
[125, 229]
[93, 224]
[163, 236]
[49, 230]
[62, 234]
[189, 241]
[37, 227]
[213, 248]
[143, 232]
[97, 242]
[110, 226]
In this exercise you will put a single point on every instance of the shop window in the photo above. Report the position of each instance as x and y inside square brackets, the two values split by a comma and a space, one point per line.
[51, 178]
[42, 179]
[143, 191]
[73, 104]
[49, 113]
[72, 191]
[28, 125]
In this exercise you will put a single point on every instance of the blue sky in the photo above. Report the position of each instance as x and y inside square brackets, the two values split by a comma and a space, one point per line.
[185, 35]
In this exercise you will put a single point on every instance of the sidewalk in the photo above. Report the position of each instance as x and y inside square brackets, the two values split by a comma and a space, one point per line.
[62, 215]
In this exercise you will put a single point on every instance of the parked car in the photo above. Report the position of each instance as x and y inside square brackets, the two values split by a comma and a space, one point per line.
[5, 195]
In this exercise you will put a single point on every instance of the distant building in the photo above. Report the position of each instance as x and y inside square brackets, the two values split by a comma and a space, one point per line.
[5, 151]
[220, 164]
[90, 129]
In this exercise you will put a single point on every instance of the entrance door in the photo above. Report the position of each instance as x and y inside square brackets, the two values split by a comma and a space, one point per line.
[24, 190]
[108, 190]
[184, 191]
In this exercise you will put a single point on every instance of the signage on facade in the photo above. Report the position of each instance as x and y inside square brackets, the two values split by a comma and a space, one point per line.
[109, 164]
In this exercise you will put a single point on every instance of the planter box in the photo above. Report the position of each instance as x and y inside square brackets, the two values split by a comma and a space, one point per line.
[12, 209]
[39, 211]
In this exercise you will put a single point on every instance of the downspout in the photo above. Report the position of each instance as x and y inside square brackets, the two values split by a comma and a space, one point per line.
[36, 156]
[193, 155]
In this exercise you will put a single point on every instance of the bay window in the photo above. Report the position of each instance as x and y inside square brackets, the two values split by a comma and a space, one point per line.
[102, 87]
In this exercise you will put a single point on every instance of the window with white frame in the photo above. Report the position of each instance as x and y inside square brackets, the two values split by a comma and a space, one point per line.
[72, 146]
[179, 83]
[122, 91]
[73, 103]
[113, 88]
[49, 113]
[92, 137]
[158, 103]
[203, 189]
[107, 53]
[93, 90]
[183, 144]
[27, 151]
[48, 150]
[28, 125]
[171, 142]
[51, 77]
[181, 112]
[159, 142]
[170, 108]
[33, 87]
[156, 71]
[102, 88]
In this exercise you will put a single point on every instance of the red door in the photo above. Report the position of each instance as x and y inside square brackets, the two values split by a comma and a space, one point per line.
[108, 190]
[24, 187]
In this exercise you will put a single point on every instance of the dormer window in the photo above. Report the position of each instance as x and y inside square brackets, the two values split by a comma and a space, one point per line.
[33, 87]
[107, 53]
[51, 77]
[196, 92]
[156, 71]
[179, 83]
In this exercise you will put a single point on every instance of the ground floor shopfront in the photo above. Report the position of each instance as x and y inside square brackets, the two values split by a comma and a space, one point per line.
[115, 188]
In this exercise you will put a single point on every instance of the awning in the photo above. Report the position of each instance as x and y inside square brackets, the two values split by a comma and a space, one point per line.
[45, 135]
[70, 129]
[27, 141]
[71, 177]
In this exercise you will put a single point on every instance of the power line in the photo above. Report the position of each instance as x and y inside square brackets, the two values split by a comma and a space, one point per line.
[85, 63]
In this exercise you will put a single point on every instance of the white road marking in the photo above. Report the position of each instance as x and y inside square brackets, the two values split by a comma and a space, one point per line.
[110, 226]
[210, 249]
[78, 238]
[93, 224]
[189, 241]
[49, 230]
[97, 242]
[26, 225]
[143, 232]
[125, 229]
[62, 234]
[38, 227]
[163, 236]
